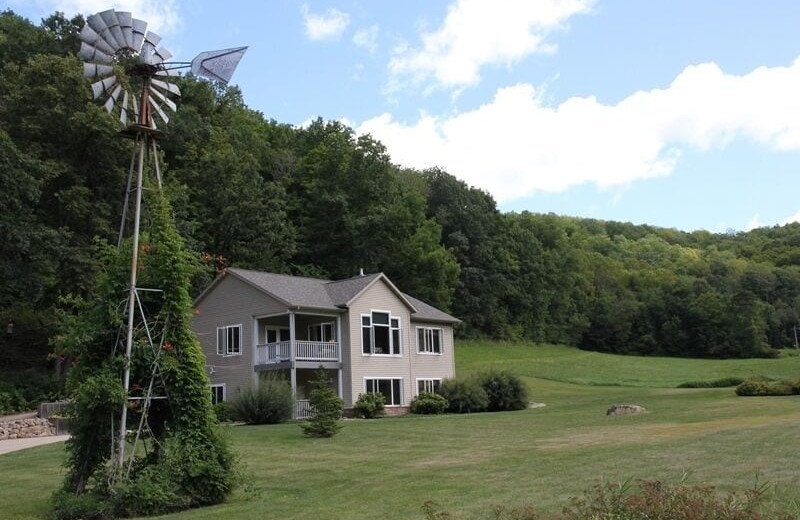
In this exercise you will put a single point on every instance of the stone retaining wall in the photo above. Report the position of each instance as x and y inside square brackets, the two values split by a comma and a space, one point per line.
[25, 428]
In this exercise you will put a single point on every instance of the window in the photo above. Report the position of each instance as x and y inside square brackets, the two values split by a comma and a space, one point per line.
[392, 389]
[428, 386]
[380, 334]
[229, 340]
[429, 341]
[276, 334]
[217, 393]
[322, 332]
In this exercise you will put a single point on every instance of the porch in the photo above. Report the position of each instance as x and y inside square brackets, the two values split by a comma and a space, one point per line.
[297, 344]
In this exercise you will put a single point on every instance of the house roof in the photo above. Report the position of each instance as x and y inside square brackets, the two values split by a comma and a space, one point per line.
[298, 291]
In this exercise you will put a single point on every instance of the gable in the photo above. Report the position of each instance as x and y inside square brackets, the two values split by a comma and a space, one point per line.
[231, 294]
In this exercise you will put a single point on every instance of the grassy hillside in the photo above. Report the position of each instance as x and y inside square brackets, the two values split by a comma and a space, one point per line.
[468, 464]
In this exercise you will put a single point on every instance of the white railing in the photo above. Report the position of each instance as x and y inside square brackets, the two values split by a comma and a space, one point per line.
[316, 350]
[302, 409]
[278, 352]
[272, 353]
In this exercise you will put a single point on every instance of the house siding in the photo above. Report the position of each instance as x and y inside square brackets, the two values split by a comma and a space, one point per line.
[231, 302]
[378, 296]
[432, 366]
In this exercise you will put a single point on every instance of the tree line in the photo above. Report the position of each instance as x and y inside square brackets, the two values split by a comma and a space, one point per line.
[321, 201]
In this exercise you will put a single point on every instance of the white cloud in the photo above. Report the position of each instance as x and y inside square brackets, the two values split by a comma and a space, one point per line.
[792, 219]
[367, 38]
[329, 25]
[162, 16]
[476, 33]
[517, 144]
[755, 222]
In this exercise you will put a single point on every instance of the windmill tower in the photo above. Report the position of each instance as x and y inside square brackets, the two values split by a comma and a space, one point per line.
[134, 78]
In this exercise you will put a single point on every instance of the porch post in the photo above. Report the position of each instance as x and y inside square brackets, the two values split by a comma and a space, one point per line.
[292, 369]
[339, 340]
[341, 385]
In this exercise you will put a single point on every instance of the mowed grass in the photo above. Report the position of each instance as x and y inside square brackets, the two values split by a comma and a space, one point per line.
[468, 464]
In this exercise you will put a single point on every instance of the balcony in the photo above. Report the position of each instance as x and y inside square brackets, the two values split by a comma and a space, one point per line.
[312, 351]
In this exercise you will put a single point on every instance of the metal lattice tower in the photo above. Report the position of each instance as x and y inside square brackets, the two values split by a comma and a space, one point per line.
[133, 76]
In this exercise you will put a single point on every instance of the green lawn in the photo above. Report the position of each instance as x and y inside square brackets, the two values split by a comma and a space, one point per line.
[468, 464]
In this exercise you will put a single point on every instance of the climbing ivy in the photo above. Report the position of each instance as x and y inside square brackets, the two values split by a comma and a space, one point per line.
[183, 460]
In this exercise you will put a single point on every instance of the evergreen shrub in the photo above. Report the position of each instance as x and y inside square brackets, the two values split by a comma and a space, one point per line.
[758, 387]
[506, 391]
[464, 395]
[271, 403]
[326, 407]
[427, 403]
[370, 405]
[224, 412]
[715, 383]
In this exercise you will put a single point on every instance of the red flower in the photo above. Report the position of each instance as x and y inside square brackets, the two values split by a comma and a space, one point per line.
[167, 346]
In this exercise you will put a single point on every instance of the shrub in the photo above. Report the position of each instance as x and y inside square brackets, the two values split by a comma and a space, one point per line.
[369, 406]
[223, 410]
[506, 391]
[326, 406]
[271, 403]
[757, 387]
[427, 403]
[715, 383]
[464, 396]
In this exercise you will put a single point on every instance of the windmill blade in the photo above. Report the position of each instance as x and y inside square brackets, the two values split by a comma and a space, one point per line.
[135, 108]
[104, 85]
[163, 55]
[160, 110]
[97, 24]
[169, 87]
[89, 36]
[112, 99]
[126, 26]
[90, 53]
[123, 113]
[163, 98]
[218, 65]
[167, 73]
[93, 70]
[139, 29]
[110, 18]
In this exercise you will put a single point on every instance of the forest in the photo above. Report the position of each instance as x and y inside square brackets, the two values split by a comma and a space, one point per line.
[319, 200]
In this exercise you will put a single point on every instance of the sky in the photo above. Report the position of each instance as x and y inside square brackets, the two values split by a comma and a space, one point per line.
[675, 113]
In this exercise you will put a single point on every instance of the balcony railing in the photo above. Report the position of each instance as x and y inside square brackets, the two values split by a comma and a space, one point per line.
[303, 351]
[302, 409]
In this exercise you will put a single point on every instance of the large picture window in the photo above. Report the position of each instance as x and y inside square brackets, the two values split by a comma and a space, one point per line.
[380, 334]
[429, 340]
[392, 389]
[229, 340]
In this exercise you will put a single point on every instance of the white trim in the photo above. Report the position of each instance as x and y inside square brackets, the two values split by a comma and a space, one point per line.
[224, 390]
[441, 341]
[389, 378]
[417, 380]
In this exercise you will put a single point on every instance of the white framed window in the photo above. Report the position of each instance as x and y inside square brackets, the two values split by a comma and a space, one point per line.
[322, 332]
[380, 334]
[276, 334]
[229, 340]
[429, 340]
[428, 386]
[217, 393]
[390, 387]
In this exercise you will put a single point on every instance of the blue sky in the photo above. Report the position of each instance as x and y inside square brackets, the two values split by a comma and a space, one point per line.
[675, 113]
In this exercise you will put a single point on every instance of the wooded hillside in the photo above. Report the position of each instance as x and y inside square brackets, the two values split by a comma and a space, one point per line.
[321, 201]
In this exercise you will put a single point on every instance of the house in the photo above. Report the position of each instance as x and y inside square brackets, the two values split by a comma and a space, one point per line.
[371, 336]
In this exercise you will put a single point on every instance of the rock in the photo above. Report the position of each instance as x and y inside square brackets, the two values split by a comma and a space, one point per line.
[625, 409]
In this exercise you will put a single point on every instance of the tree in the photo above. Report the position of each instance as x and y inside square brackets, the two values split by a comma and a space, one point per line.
[326, 407]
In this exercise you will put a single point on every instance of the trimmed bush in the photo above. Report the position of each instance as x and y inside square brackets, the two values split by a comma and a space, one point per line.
[464, 396]
[757, 387]
[506, 391]
[271, 403]
[426, 403]
[369, 406]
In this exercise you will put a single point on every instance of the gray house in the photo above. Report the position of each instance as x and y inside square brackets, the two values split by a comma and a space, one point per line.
[369, 334]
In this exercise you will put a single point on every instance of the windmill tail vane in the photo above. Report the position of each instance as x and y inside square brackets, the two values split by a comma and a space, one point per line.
[132, 76]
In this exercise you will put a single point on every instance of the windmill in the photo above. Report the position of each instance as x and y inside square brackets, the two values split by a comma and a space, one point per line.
[133, 77]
